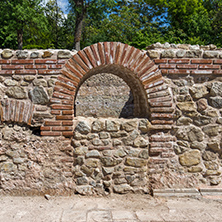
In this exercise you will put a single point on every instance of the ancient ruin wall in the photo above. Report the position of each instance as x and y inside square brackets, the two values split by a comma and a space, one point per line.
[179, 144]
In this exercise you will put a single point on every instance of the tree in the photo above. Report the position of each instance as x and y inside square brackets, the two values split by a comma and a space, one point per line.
[16, 17]
[87, 9]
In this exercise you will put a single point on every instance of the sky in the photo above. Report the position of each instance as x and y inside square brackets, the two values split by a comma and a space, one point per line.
[63, 4]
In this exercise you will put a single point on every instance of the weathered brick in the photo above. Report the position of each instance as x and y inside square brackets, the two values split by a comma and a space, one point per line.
[23, 61]
[78, 60]
[201, 61]
[61, 107]
[73, 70]
[55, 66]
[187, 66]
[45, 61]
[217, 61]
[55, 112]
[164, 122]
[26, 72]
[157, 160]
[22, 106]
[95, 54]
[68, 81]
[200, 72]
[179, 71]
[61, 61]
[154, 83]
[209, 66]
[35, 66]
[161, 115]
[167, 66]
[68, 134]
[101, 53]
[49, 72]
[179, 61]
[90, 56]
[217, 72]
[13, 67]
[49, 133]
[162, 110]
[165, 71]
[70, 76]
[52, 123]
[67, 123]
[162, 138]
[63, 90]
[84, 57]
[62, 128]
[62, 96]
[167, 155]
[160, 104]
[7, 72]
[5, 61]
[161, 144]
[77, 67]
[160, 99]
[157, 150]
[64, 85]
[17, 110]
[67, 112]
[64, 117]
[158, 61]
[45, 128]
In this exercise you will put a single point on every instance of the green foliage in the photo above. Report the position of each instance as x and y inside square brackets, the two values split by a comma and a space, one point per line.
[138, 23]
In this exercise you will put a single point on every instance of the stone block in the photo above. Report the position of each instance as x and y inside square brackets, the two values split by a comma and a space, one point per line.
[190, 158]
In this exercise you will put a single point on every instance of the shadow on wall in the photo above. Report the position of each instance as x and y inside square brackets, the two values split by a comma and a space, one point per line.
[105, 95]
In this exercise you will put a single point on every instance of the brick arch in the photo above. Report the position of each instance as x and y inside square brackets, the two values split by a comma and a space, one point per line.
[118, 58]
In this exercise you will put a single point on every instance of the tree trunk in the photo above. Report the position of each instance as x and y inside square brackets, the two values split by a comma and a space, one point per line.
[20, 38]
[78, 32]
[80, 15]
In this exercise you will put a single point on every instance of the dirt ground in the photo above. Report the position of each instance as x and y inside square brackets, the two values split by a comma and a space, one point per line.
[113, 208]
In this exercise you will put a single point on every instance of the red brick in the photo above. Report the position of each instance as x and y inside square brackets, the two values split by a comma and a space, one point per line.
[45, 61]
[209, 66]
[23, 61]
[117, 54]
[162, 110]
[157, 160]
[12, 67]
[158, 61]
[95, 54]
[52, 123]
[68, 81]
[55, 100]
[5, 61]
[160, 104]
[62, 128]
[129, 57]
[187, 66]
[30, 116]
[164, 122]
[217, 61]
[61, 107]
[161, 138]
[55, 66]
[68, 134]
[157, 88]
[55, 112]
[111, 55]
[90, 57]
[66, 86]
[35, 66]
[142, 64]
[64, 117]
[22, 106]
[73, 70]
[77, 67]
[45, 128]
[63, 90]
[62, 96]
[201, 61]
[49, 72]
[78, 60]
[157, 150]
[154, 84]
[49, 133]
[202, 72]
[67, 123]
[26, 72]
[61, 61]
[167, 66]
[70, 75]
[152, 78]
[164, 71]
[7, 72]
[179, 61]
[67, 102]
[161, 115]
[179, 71]
[217, 72]
[146, 68]
[161, 144]
[101, 53]
[67, 112]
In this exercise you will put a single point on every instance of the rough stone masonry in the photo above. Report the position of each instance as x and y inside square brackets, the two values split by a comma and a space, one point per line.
[110, 118]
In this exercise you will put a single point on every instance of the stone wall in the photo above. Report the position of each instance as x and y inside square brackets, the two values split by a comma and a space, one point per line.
[171, 139]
